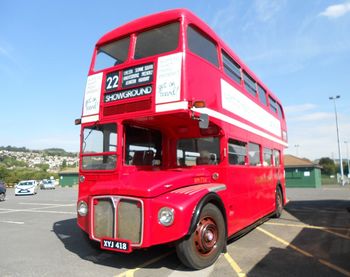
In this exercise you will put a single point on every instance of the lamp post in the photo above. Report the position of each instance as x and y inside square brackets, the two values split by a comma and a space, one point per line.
[339, 150]
[296, 149]
[347, 155]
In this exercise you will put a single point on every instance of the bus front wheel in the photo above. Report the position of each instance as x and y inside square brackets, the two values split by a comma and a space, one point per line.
[202, 248]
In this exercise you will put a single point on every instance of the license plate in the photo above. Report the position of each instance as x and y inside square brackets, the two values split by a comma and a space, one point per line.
[116, 245]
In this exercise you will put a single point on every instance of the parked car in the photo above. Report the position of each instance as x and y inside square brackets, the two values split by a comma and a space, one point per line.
[2, 191]
[47, 184]
[26, 187]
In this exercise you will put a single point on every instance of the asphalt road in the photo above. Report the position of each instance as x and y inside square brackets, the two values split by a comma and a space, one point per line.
[39, 237]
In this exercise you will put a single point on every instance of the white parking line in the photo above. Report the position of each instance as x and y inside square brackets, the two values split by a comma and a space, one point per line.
[11, 222]
[322, 261]
[47, 204]
[4, 211]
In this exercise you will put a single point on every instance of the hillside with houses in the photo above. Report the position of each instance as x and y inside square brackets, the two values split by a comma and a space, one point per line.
[52, 159]
[20, 163]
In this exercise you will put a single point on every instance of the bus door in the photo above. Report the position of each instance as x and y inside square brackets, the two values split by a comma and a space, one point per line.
[239, 182]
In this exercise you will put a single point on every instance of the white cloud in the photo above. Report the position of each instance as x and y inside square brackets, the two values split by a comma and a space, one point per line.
[335, 11]
[299, 108]
[267, 9]
[223, 18]
[313, 117]
[317, 139]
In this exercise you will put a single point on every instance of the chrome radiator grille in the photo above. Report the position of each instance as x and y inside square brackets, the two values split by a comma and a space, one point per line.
[117, 217]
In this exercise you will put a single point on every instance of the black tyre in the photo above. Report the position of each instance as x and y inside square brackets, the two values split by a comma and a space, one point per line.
[202, 248]
[2, 196]
[278, 203]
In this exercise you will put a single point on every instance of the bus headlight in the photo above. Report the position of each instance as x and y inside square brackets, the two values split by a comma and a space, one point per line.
[82, 208]
[166, 216]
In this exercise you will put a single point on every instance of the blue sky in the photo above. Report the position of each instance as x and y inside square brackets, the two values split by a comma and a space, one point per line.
[301, 52]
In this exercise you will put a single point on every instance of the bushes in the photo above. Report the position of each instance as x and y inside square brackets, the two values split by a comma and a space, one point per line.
[15, 175]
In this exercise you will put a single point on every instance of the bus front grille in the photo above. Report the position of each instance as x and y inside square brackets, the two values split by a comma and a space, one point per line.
[117, 217]
[104, 218]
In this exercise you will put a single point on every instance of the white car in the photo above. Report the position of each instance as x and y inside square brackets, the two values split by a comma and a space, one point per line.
[47, 184]
[26, 187]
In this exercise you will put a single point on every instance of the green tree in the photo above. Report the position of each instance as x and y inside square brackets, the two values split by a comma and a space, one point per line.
[3, 173]
[328, 166]
[43, 167]
[64, 164]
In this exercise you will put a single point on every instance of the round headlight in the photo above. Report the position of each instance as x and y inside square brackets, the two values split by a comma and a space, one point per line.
[82, 208]
[166, 216]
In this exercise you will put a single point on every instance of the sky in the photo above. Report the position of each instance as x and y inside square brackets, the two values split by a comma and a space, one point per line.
[301, 52]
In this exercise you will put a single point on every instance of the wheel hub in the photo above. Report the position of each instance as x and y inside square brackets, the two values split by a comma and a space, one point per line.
[206, 236]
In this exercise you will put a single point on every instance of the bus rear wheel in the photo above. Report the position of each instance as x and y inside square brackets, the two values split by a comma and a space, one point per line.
[202, 248]
[279, 203]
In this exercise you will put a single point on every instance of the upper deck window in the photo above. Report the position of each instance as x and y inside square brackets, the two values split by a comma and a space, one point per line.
[232, 69]
[202, 46]
[249, 83]
[157, 41]
[280, 111]
[112, 54]
[273, 104]
[262, 95]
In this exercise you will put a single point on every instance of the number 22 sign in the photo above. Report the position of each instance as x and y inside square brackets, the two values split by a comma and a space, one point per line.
[112, 81]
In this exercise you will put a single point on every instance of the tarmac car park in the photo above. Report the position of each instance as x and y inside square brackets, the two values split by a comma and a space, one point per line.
[312, 238]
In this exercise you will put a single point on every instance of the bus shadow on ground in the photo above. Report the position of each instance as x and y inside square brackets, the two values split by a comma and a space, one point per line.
[77, 242]
[322, 245]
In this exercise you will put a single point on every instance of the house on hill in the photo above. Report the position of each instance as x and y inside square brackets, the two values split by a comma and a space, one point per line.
[301, 173]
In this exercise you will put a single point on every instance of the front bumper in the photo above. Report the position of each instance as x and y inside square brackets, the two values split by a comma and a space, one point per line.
[23, 191]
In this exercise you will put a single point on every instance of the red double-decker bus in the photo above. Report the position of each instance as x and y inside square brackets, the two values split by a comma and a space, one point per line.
[180, 142]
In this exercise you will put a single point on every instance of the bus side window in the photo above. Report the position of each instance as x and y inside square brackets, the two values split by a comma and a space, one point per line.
[276, 157]
[249, 84]
[267, 156]
[231, 68]
[198, 151]
[280, 111]
[273, 104]
[262, 95]
[254, 154]
[237, 152]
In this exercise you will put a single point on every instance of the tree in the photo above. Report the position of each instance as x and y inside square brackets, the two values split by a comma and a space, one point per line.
[328, 166]
[64, 164]
[3, 173]
[43, 167]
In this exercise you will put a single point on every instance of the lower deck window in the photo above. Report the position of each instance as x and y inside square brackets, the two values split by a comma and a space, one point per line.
[237, 152]
[143, 146]
[254, 153]
[267, 157]
[276, 157]
[198, 151]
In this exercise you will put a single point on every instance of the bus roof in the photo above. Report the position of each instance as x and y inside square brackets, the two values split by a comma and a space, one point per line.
[152, 20]
[146, 22]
